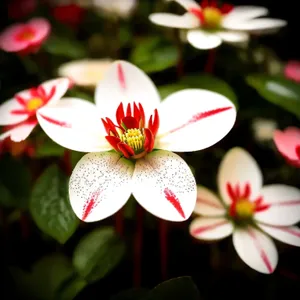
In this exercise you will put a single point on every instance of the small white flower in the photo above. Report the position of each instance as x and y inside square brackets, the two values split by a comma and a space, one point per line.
[208, 25]
[120, 8]
[249, 211]
[87, 72]
[263, 129]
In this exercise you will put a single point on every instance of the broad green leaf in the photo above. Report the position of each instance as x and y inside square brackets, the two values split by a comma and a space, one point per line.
[98, 253]
[212, 83]
[50, 207]
[75, 92]
[15, 180]
[132, 294]
[176, 289]
[279, 91]
[70, 288]
[63, 46]
[168, 89]
[45, 278]
[49, 148]
[154, 55]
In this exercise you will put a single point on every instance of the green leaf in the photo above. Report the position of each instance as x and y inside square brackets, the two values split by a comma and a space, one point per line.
[6, 198]
[45, 279]
[98, 253]
[132, 294]
[69, 289]
[154, 54]
[48, 149]
[63, 46]
[75, 92]
[50, 207]
[180, 288]
[279, 91]
[212, 83]
[168, 89]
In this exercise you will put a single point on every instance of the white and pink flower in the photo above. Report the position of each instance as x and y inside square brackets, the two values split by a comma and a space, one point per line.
[19, 114]
[209, 24]
[25, 38]
[130, 148]
[249, 211]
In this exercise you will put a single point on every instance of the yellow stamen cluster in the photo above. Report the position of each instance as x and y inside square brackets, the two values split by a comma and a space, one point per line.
[34, 104]
[27, 35]
[245, 208]
[212, 17]
[134, 138]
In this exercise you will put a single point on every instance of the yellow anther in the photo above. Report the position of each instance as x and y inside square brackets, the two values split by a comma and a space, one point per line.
[34, 104]
[212, 17]
[244, 208]
[134, 138]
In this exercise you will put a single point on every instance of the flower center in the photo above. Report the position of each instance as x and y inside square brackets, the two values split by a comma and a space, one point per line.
[244, 209]
[26, 35]
[34, 103]
[130, 136]
[212, 17]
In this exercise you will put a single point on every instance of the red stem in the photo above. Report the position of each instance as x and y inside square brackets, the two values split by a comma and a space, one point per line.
[138, 243]
[163, 239]
[67, 162]
[211, 59]
[119, 222]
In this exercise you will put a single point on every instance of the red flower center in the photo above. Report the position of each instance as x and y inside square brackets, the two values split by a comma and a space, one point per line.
[130, 136]
[26, 34]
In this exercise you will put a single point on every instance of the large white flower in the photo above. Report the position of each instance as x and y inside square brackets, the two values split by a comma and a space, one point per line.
[249, 211]
[208, 25]
[19, 113]
[160, 180]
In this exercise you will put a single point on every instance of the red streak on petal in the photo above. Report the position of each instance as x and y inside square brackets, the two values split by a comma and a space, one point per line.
[90, 204]
[290, 231]
[286, 203]
[20, 100]
[56, 122]
[197, 13]
[201, 116]
[247, 191]
[171, 197]
[209, 203]
[19, 112]
[121, 77]
[231, 192]
[298, 151]
[199, 230]
[262, 252]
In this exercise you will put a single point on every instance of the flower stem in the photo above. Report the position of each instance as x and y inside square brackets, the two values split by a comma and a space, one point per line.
[180, 61]
[119, 222]
[67, 163]
[138, 244]
[163, 238]
[210, 63]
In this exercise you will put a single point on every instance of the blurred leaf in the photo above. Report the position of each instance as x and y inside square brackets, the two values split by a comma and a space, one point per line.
[279, 91]
[181, 288]
[66, 47]
[168, 89]
[212, 83]
[98, 253]
[132, 294]
[154, 54]
[50, 207]
[74, 92]
[15, 180]
[70, 289]
[45, 279]
[48, 148]
[75, 157]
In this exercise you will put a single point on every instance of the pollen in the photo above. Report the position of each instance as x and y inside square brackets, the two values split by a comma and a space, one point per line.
[212, 17]
[244, 208]
[34, 103]
[134, 138]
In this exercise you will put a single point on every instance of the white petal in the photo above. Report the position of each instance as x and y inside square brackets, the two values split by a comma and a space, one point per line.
[243, 13]
[187, 4]
[74, 124]
[170, 20]
[201, 39]
[284, 204]
[194, 119]
[238, 167]
[210, 228]
[261, 24]
[19, 132]
[126, 83]
[165, 186]
[233, 36]
[6, 117]
[208, 204]
[256, 249]
[100, 185]
[289, 235]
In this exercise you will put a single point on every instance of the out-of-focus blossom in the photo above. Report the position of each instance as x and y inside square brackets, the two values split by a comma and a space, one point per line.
[292, 70]
[263, 129]
[249, 211]
[143, 131]
[18, 9]
[86, 72]
[25, 38]
[209, 24]
[17, 148]
[70, 14]
[288, 144]
[118, 8]
[19, 114]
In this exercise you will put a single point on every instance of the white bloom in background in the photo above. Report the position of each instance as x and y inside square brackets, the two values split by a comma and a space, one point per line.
[120, 8]
[263, 129]
[87, 72]
[208, 25]
[249, 211]
[130, 150]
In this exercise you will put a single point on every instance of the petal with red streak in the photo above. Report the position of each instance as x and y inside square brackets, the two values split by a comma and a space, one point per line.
[19, 132]
[6, 115]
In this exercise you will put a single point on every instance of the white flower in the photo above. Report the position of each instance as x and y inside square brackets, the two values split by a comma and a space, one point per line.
[87, 72]
[209, 25]
[264, 129]
[160, 180]
[250, 212]
[19, 114]
[121, 8]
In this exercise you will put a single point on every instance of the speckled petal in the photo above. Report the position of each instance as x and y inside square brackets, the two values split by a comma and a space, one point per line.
[100, 185]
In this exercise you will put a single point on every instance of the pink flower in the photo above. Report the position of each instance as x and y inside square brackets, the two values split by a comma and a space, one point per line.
[292, 70]
[25, 38]
[18, 9]
[288, 144]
